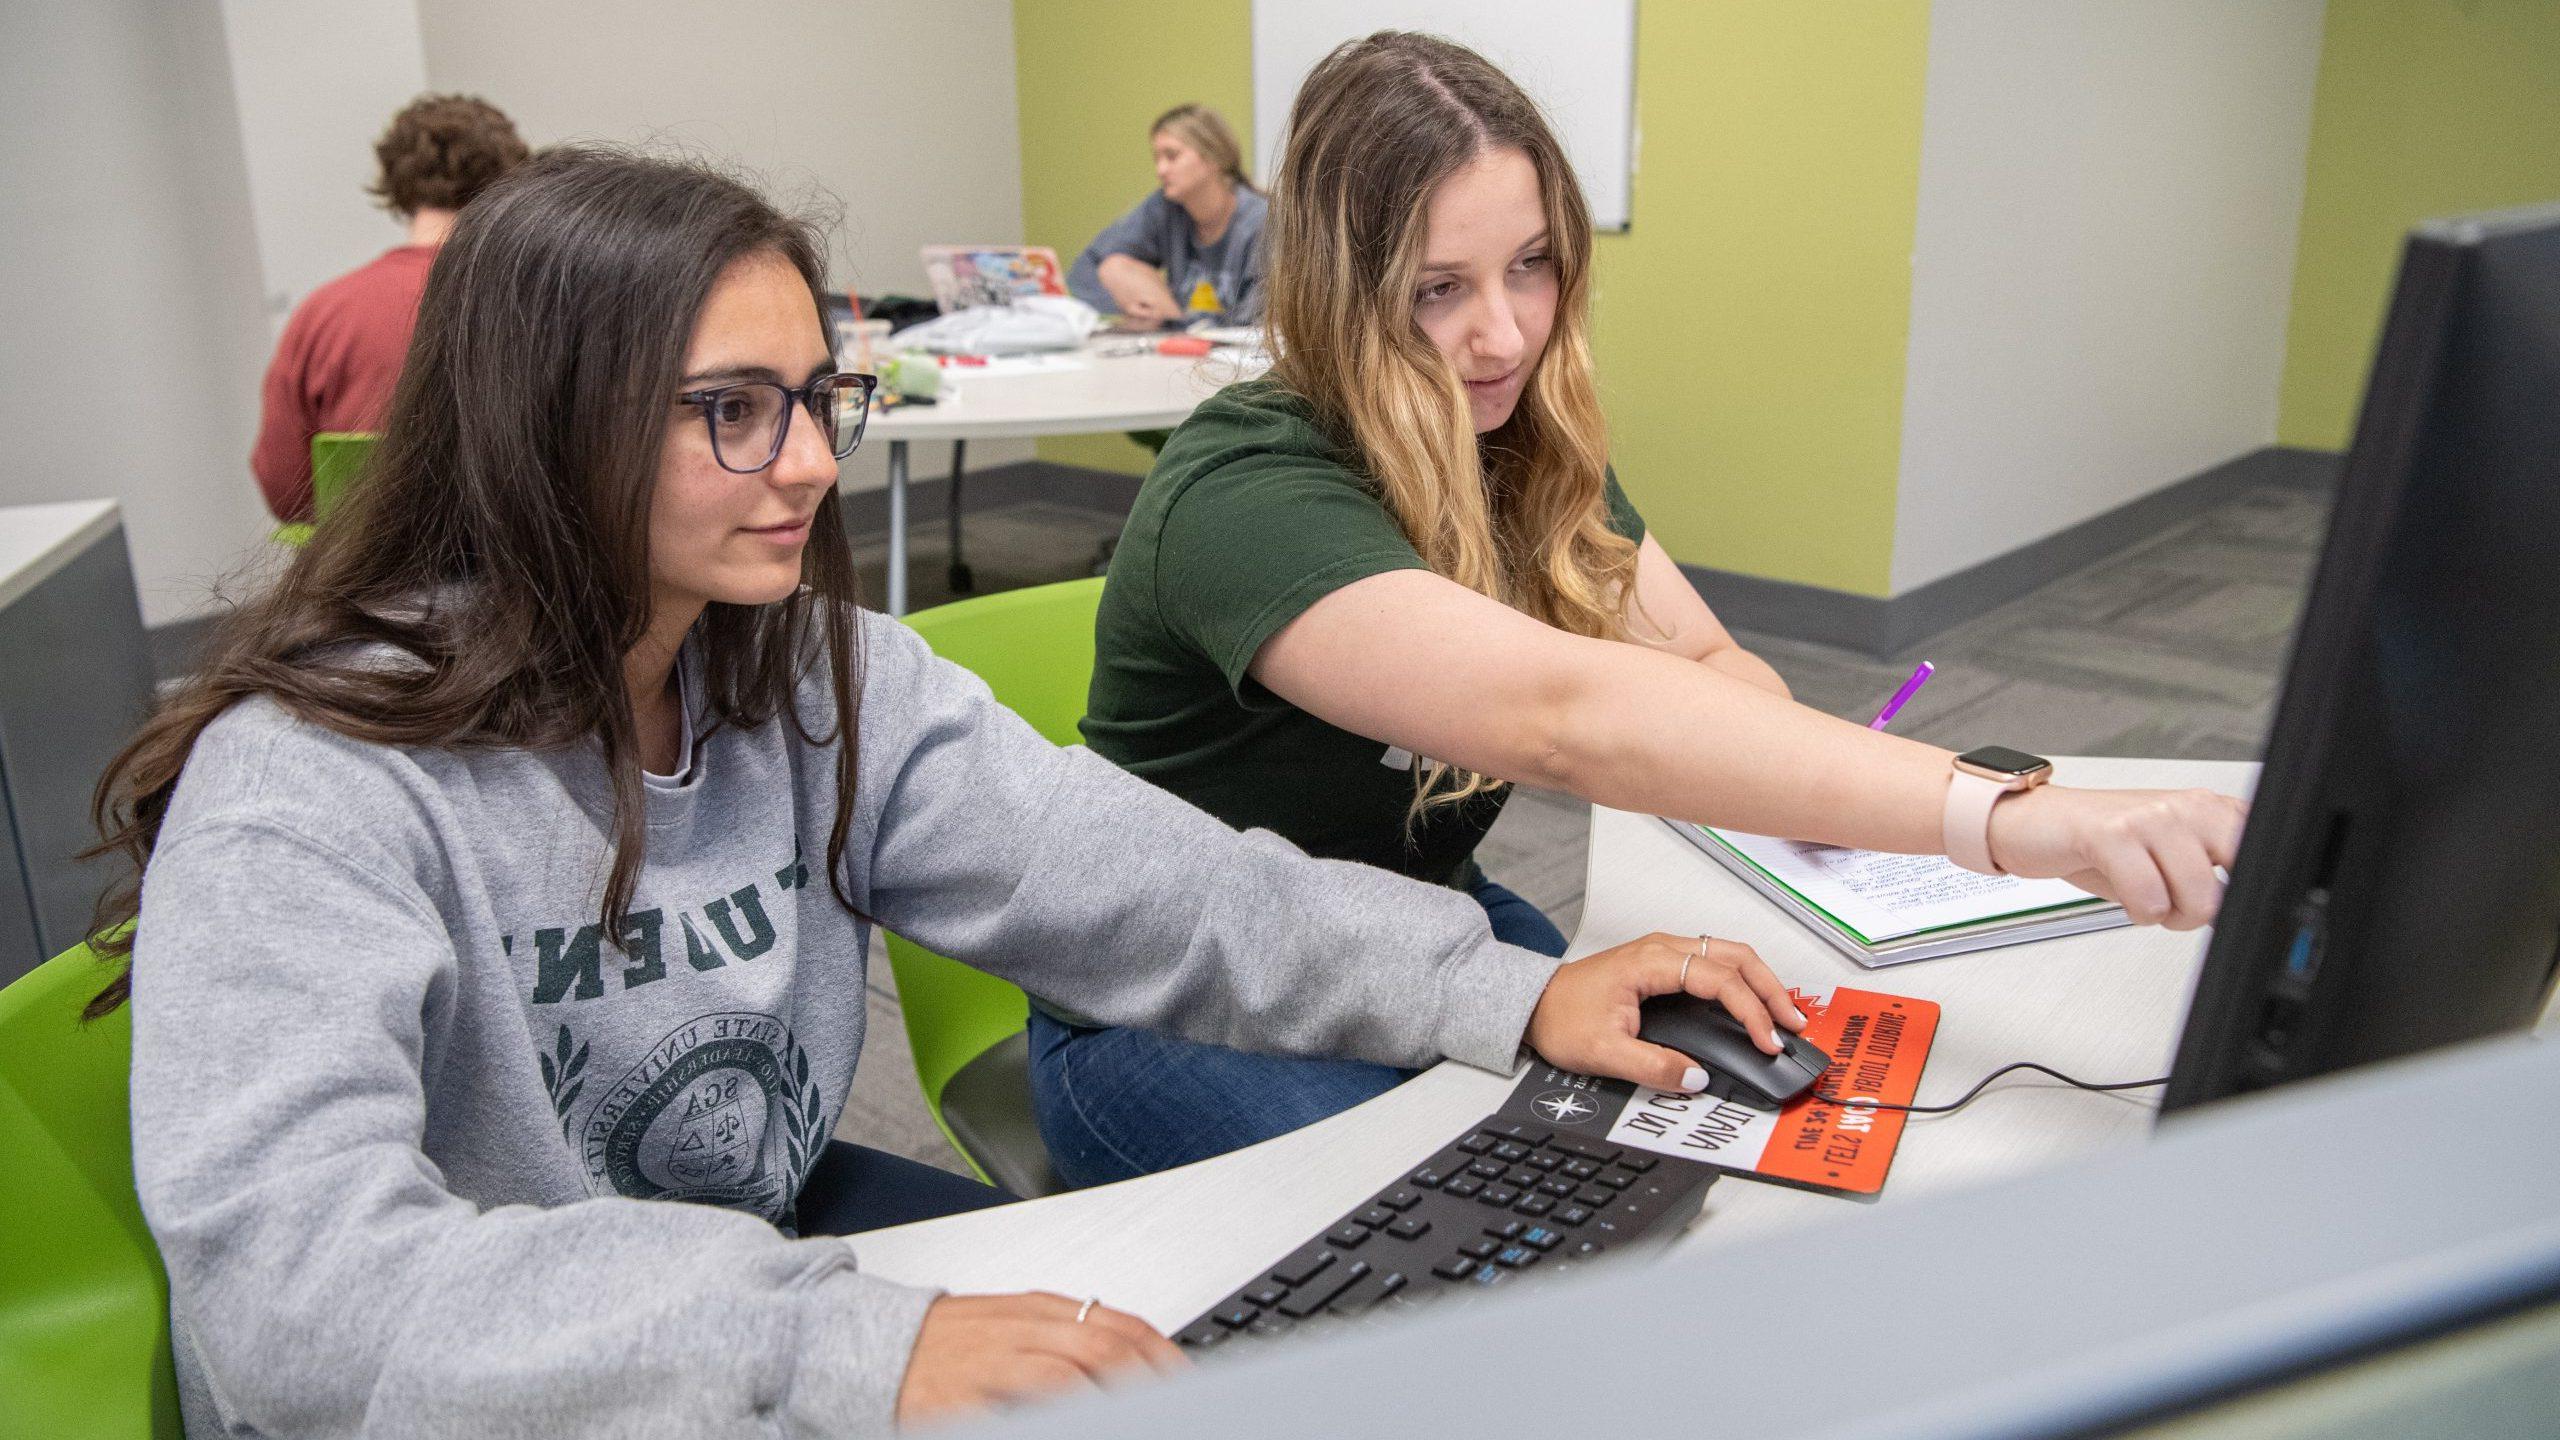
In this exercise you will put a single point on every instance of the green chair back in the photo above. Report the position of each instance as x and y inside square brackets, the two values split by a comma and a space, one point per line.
[337, 458]
[84, 1303]
[1034, 648]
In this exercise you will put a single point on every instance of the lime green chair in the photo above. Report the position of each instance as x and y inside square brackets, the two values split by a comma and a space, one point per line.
[337, 458]
[84, 1304]
[1034, 648]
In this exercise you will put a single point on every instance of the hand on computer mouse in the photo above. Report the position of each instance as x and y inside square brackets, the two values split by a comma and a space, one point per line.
[2152, 851]
[1587, 1018]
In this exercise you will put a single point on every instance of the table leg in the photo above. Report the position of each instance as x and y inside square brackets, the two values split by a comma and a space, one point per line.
[961, 581]
[897, 597]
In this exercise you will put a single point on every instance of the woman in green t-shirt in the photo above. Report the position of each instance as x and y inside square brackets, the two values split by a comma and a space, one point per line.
[1406, 543]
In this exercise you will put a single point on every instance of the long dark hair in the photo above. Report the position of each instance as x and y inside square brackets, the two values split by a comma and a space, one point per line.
[500, 534]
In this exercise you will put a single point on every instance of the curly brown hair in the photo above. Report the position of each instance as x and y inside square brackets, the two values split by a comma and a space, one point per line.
[441, 151]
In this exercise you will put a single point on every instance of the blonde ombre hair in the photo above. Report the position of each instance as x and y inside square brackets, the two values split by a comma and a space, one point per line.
[1207, 133]
[1518, 514]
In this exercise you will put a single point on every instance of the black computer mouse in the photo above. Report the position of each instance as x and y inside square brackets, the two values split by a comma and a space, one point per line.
[1737, 1068]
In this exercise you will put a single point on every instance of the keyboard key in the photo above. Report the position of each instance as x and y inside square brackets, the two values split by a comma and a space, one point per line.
[1507, 1230]
[1573, 1215]
[1311, 1258]
[1596, 1196]
[1430, 1177]
[1522, 1178]
[1312, 1298]
[1368, 1292]
[1401, 1200]
[1511, 1152]
[1581, 1169]
[1641, 1164]
[1410, 1227]
[1517, 1257]
[1462, 1187]
[1456, 1267]
[1201, 1337]
[1478, 1143]
[1546, 1159]
[1540, 1236]
[1558, 1186]
[1535, 1204]
[1605, 1154]
[1237, 1316]
[1348, 1237]
[1489, 1169]
[1619, 1178]
[1497, 1195]
[1480, 1249]
[1266, 1295]
[1491, 1275]
[1375, 1217]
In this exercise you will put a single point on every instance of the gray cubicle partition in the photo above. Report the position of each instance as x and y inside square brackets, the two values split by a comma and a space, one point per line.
[75, 676]
[2248, 1256]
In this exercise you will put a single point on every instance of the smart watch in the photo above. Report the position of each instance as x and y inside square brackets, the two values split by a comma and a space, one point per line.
[1981, 777]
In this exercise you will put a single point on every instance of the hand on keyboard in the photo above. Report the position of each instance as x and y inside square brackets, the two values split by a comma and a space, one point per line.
[1587, 1018]
[976, 1352]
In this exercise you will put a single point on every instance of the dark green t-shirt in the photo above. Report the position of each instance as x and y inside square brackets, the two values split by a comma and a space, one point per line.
[1249, 517]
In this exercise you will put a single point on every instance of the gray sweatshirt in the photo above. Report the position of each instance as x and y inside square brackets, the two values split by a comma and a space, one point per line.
[1162, 234]
[406, 1130]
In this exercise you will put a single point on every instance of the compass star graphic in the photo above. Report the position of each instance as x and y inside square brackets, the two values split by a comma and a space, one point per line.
[1566, 1108]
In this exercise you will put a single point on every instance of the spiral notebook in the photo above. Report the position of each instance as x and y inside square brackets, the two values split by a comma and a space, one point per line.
[1884, 909]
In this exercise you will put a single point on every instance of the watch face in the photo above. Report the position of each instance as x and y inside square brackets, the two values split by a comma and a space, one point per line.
[2001, 760]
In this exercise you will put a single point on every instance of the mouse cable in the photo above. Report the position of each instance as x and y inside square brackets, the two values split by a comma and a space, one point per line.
[1985, 1084]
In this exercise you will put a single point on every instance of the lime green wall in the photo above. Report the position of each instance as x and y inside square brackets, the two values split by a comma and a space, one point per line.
[2423, 109]
[1750, 327]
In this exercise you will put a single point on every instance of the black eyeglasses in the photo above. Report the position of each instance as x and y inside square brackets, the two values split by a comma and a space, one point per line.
[749, 421]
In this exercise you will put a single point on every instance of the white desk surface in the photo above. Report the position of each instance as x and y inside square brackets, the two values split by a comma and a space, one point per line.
[2103, 1006]
[1103, 393]
[36, 540]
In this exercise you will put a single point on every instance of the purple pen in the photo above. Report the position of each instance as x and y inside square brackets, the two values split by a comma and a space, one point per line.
[1909, 688]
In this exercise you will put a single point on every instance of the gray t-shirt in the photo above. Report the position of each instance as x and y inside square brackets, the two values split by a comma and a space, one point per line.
[1162, 234]
[409, 1133]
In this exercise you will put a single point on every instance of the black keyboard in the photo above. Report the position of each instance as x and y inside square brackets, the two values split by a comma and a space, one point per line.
[1509, 1200]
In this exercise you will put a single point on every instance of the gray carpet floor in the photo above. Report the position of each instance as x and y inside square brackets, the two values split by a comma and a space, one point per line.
[2173, 646]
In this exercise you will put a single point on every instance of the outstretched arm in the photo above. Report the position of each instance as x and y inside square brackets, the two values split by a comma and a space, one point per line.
[1411, 659]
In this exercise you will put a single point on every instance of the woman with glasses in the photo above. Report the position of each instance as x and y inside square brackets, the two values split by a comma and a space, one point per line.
[505, 875]
[1360, 598]
[1192, 250]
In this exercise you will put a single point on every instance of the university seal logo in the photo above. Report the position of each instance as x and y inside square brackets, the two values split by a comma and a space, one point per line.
[719, 1112]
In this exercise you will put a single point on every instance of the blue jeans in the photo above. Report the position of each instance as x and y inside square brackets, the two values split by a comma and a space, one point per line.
[853, 1188]
[1115, 1102]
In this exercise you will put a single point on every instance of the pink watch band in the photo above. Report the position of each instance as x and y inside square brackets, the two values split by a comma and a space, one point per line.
[1967, 826]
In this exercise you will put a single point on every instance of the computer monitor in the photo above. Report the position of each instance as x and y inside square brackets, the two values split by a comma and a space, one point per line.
[2399, 884]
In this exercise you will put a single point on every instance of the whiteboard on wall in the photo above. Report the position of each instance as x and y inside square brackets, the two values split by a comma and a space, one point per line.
[1576, 59]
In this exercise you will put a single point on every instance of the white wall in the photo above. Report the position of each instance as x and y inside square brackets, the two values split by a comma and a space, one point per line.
[307, 127]
[2109, 192]
[129, 367]
[901, 114]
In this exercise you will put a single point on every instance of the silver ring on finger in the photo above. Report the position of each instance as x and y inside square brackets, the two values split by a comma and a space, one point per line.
[1085, 1309]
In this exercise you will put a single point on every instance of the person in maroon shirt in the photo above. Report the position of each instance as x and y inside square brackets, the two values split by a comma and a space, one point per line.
[342, 349]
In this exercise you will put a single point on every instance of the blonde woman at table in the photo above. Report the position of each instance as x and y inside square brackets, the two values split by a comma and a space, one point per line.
[503, 878]
[1192, 250]
[1360, 598]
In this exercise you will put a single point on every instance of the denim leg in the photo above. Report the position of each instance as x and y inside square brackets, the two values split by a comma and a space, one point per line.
[1117, 1102]
[1516, 921]
[853, 1188]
